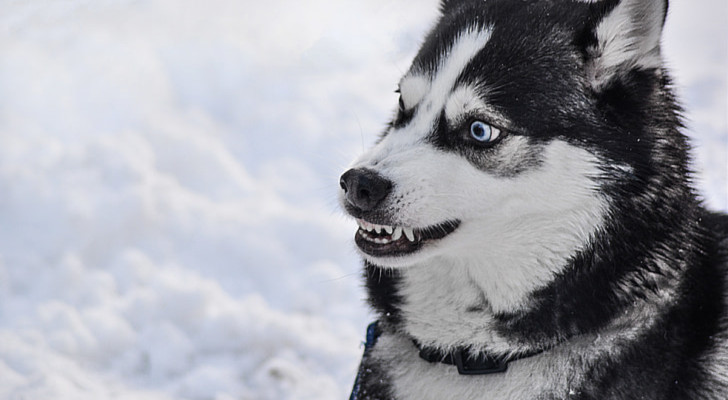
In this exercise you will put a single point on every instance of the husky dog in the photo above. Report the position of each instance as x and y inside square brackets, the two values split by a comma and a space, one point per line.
[528, 222]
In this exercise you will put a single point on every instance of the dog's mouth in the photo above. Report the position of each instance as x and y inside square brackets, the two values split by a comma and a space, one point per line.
[388, 241]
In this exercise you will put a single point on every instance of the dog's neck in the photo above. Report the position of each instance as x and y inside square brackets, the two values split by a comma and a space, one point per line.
[449, 304]
[490, 305]
[444, 307]
[452, 300]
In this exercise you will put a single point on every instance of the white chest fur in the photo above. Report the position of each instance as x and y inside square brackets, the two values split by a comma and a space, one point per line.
[444, 307]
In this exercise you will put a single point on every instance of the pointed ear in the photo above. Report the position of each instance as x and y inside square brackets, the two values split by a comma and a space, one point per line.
[627, 38]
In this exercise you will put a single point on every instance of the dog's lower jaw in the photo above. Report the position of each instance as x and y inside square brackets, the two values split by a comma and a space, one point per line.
[398, 242]
[424, 250]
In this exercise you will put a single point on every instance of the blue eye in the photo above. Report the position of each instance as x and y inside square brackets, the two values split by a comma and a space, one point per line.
[483, 132]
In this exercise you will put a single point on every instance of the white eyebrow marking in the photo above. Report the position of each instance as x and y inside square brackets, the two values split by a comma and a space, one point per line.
[413, 88]
[465, 102]
[462, 101]
[465, 47]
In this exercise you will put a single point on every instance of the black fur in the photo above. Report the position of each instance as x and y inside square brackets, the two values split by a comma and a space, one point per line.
[383, 286]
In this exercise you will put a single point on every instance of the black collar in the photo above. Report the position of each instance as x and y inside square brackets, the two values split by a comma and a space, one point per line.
[481, 364]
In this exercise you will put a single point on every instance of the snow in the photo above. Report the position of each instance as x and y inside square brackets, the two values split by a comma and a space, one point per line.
[168, 179]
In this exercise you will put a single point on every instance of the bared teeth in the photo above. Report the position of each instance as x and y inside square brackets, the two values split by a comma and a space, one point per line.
[395, 232]
[366, 226]
[410, 233]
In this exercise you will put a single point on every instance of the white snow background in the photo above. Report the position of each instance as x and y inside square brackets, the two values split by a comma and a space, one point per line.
[168, 180]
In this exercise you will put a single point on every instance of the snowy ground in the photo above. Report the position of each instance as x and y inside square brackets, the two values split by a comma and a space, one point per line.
[168, 175]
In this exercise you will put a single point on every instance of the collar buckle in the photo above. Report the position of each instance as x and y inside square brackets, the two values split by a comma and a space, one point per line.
[480, 365]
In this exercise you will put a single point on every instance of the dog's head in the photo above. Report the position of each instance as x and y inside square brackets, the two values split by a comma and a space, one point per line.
[515, 121]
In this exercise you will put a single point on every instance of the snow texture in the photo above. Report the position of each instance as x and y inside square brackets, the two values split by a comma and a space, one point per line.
[168, 180]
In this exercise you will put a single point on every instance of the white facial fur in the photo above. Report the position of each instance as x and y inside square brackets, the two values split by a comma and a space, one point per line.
[413, 89]
[516, 232]
[396, 155]
[464, 101]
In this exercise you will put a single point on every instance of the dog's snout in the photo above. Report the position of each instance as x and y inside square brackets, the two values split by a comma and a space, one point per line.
[364, 189]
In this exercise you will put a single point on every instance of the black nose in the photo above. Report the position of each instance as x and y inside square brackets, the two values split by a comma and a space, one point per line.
[364, 189]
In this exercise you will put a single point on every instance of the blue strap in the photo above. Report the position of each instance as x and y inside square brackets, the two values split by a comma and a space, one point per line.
[372, 336]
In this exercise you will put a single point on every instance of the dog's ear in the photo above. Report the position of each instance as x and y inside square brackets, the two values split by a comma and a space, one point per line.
[626, 36]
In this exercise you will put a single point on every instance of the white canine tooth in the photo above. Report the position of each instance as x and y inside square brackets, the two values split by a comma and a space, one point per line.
[397, 233]
[410, 233]
[369, 227]
[377, 229]
[388, 229]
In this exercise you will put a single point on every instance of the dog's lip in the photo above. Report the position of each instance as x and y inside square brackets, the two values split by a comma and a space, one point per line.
[380, 240]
